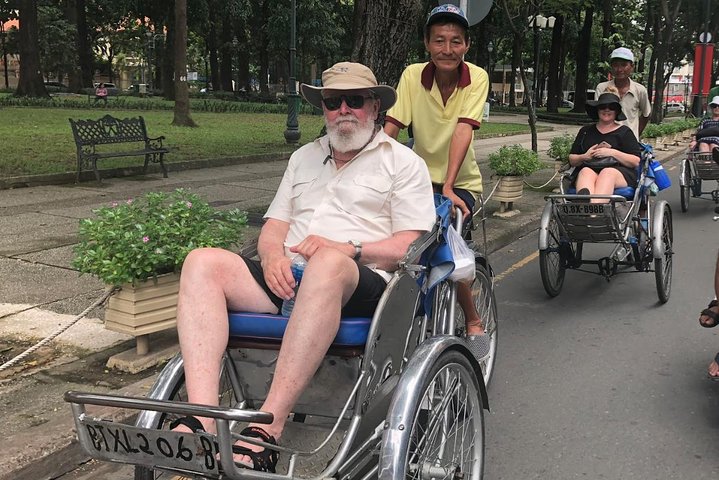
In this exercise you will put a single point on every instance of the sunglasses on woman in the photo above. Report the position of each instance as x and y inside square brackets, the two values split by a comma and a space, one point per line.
[608, 106]
[353, 101]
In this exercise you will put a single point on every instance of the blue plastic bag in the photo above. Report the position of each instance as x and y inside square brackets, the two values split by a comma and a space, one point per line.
[661, 178]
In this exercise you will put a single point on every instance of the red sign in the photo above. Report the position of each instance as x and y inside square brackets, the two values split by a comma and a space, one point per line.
[703, 55]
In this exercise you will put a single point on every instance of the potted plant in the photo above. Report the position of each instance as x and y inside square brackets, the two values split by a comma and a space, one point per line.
[139, 245]
[559, 148]
[512, 163]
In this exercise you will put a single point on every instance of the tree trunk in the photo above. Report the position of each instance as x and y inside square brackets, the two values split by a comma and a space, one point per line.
[226, 57]
[516, 58]
[582, 58]
[376, 22]
[214, 65]
[4, 56]
[168, 64]
[84, 50]
[30, 83]
[182, 92]
[554, 80]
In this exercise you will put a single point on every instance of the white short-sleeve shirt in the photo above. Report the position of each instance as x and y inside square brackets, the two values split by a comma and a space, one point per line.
[385, 189]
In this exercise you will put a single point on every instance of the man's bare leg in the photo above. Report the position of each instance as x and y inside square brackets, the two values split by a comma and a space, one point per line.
[471, 317]
[212, 279]
[327, 284]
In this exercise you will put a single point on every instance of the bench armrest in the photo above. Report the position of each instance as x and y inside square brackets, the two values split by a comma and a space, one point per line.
[154, 143]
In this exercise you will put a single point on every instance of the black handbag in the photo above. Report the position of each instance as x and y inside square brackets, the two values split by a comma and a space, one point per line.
[708, 132]
[602, 162]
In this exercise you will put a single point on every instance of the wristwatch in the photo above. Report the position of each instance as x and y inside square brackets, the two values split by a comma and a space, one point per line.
[358, 248]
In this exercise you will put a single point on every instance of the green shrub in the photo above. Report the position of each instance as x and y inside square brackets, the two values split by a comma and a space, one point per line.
[559, 147]
[144, 237]
[514, 160]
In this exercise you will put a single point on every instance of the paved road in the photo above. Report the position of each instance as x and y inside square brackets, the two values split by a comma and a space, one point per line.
[603, 381]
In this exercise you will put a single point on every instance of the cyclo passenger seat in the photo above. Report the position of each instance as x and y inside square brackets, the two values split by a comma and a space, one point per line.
[265, 328]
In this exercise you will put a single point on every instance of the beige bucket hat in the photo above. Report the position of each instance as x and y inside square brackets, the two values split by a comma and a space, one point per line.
[349, 76]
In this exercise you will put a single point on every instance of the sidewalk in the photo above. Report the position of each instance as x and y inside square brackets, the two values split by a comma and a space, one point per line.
[39, 292]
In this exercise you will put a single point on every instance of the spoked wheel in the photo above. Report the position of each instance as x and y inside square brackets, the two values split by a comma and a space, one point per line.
[551, 263]
[446, 439]
[228, 398]
[685, 190]
[486, 306]
[663, 266]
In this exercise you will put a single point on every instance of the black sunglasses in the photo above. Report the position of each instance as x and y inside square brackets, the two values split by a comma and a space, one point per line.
[607, 106]
[352, 101]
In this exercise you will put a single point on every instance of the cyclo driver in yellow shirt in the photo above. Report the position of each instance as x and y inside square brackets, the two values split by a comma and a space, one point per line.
[443, 101]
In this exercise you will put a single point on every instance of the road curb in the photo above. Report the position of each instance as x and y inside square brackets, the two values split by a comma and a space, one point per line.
[23, 181]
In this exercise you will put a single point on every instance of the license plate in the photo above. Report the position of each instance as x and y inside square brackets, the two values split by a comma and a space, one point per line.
[583, 208]
[194, 452]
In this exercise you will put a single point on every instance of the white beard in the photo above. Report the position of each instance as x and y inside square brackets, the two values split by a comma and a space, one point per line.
[353, 140]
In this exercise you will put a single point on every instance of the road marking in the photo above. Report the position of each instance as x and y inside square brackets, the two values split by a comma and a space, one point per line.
[517, 266]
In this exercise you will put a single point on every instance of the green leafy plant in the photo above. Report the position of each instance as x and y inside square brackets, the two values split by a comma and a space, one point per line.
[559, 147]
[144, 237]
[514, 160]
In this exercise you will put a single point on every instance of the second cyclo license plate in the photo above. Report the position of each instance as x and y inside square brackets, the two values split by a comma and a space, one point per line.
[583, 208]
[152, 448]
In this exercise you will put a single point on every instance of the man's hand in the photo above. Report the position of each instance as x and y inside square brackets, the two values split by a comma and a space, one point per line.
[456, 202]
[312, 243]
[278, 275]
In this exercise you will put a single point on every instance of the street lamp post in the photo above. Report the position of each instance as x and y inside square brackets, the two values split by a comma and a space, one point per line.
[490, 49]
[292, 133]
[538, 22]
[151, 37]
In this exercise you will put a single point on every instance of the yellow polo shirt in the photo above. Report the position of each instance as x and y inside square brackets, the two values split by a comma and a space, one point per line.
[419, 103]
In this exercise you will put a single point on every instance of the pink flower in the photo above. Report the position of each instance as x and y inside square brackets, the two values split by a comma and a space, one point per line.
[129, 201]
[113, 204]
[189, 204]
[145, 239]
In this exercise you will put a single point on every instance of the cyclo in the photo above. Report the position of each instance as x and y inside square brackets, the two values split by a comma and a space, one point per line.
[696, 168]
[639, 226]
[397, 396]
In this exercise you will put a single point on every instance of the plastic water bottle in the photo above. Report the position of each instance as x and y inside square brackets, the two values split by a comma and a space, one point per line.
[298, 269]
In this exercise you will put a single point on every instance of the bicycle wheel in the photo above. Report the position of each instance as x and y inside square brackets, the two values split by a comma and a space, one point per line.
[551, 263]
[685, 190]
[486, 306]
[446, 438]
[228, 397]
[663, 266]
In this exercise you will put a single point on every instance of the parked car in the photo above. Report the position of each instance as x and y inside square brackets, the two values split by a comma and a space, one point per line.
[675, 107]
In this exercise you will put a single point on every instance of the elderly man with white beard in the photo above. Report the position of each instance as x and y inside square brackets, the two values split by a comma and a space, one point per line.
[350, 203]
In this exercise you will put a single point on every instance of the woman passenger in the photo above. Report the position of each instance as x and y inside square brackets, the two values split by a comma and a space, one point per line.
[606, 154]
[706, 144]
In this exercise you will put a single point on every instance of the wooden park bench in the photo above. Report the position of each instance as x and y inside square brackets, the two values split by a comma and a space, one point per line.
[110, 130]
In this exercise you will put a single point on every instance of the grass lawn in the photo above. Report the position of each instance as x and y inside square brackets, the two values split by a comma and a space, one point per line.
[39, 140]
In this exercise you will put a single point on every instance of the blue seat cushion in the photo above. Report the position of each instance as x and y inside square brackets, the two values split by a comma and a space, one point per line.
[264, 326]
[626, 192]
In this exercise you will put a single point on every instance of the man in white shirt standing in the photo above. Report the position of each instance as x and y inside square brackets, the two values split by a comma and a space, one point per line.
[351, 203]
[634, 98]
